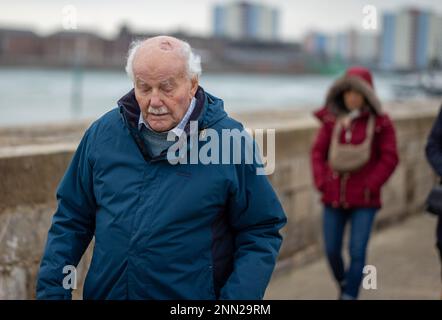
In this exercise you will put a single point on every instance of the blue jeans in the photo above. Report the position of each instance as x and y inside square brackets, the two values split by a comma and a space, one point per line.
[334, 222]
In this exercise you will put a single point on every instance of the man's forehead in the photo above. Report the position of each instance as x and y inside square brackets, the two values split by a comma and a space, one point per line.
[158, 69]
[146, 80]
[159, 62]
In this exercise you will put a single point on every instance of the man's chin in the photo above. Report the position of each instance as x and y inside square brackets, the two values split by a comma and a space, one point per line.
[160, 127]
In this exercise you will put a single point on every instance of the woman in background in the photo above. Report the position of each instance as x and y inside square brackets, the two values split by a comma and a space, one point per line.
[353, 155]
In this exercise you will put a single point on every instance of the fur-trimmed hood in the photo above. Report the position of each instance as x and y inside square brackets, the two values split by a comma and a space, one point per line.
[357, 78]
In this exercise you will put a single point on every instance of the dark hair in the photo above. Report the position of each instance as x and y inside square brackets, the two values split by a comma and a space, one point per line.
[340, 102]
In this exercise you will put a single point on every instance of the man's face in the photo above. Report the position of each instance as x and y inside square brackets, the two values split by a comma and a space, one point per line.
[162, 88]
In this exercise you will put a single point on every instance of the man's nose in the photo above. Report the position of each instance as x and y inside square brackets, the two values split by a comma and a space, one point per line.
[155, 100]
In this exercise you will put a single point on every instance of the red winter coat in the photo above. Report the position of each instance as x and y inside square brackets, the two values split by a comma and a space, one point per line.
[361, 188]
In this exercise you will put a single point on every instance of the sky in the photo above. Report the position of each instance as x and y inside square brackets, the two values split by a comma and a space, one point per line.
[193, 16]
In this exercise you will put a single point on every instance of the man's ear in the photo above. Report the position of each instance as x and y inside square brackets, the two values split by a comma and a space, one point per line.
[194, 86]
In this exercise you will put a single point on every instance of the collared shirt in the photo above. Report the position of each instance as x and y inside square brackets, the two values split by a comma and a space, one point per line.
[179, 129]
[156, 142]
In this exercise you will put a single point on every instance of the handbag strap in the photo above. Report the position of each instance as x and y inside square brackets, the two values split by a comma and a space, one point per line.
[369, 131]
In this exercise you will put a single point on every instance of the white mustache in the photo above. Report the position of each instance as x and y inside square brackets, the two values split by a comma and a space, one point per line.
[157, 111]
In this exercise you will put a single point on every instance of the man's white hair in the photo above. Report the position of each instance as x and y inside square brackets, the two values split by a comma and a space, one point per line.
[193, 64]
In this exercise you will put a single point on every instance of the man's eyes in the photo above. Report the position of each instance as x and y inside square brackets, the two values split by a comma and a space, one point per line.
[167, 88]
[144, 88]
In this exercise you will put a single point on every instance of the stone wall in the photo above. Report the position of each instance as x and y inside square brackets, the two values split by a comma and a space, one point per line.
[29, 175]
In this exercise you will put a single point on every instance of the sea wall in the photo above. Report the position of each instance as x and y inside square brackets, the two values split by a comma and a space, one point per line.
[32, 163]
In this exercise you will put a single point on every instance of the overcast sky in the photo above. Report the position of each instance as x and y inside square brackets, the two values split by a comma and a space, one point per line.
[194, 16]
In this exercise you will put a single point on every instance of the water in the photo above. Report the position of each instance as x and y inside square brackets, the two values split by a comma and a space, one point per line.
[29, 96]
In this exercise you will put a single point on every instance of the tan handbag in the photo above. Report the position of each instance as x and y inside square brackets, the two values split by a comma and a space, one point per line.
[350, 157]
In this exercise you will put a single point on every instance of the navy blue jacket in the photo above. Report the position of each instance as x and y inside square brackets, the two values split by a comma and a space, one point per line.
[434, 145]
[162, 231]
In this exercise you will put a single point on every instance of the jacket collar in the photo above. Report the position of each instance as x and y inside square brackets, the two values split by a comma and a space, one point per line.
[207, 111]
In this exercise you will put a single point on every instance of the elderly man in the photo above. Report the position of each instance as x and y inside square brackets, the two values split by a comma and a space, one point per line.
[162, 231]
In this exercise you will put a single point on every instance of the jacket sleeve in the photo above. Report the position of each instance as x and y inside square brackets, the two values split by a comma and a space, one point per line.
[388, 159]
[256, 215]
[319, 156]
[433, 149]
[73, 225]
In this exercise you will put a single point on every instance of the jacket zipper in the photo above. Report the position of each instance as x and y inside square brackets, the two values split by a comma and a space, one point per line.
[344, 179]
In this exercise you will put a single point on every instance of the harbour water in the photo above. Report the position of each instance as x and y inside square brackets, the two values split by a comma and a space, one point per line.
[29, 96]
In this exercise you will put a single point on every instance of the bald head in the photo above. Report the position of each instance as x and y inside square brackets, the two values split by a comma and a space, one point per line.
[163, 49]
[162, 45]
